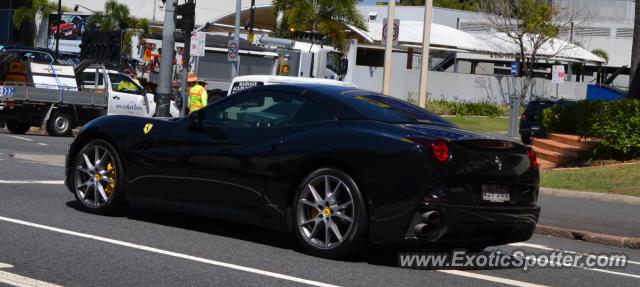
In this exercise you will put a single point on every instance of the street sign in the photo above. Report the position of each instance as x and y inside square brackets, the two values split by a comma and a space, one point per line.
[514, 68]
[198, 43]
[251, 37]
[232, 54]
[396, 31]
[557, 74]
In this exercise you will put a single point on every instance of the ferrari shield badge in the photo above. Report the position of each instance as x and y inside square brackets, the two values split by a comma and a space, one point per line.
[147, 128]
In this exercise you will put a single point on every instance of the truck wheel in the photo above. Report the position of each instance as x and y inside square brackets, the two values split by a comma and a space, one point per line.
[60, 124]
[18, 128]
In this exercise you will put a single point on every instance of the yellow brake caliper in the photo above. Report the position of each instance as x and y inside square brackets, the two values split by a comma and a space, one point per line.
[111, 174]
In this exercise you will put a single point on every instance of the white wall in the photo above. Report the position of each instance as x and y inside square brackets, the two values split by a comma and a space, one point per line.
[460, 87]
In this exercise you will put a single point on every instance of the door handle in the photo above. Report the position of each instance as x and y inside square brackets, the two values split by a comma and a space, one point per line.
[115, 97]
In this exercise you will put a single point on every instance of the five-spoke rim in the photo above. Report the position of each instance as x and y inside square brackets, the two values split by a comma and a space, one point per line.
[325, 212]
[95, 176]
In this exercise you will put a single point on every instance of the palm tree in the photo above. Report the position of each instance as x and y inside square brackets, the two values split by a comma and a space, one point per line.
[24, 19]
[326, 17]
[115, 17]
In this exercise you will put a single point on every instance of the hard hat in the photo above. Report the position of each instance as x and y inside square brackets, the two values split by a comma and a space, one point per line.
[192, 77]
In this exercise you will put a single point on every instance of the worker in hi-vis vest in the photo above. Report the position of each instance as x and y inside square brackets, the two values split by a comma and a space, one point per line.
[197, 94]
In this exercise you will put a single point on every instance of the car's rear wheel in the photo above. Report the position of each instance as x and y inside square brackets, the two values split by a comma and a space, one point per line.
[18, 128]
[330, 214]
[99, 178]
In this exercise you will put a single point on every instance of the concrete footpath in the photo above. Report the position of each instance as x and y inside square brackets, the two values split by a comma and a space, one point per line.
[594, 217]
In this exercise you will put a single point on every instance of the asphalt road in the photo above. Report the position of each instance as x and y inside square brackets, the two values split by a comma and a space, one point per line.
[43, 236]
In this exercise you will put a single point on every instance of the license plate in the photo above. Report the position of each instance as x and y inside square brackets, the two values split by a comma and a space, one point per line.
[495, 193]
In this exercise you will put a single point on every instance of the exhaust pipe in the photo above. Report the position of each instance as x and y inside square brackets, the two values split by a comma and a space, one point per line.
[431, 217]
[421, 229]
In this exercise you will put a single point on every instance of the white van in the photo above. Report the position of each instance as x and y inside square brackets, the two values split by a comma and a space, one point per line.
[244, 82]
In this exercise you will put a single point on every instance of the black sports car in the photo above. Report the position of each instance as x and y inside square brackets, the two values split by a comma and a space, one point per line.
[337, 166]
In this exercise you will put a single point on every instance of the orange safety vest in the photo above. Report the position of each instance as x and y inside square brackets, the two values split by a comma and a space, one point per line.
[197, 98]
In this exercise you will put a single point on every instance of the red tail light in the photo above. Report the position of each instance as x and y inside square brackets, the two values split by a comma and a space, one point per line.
[523, 117]
[533, 160]
[9, 104]
[440, 151]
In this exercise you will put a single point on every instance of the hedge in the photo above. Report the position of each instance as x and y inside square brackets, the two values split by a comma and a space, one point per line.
[467, 109]
[615, 123]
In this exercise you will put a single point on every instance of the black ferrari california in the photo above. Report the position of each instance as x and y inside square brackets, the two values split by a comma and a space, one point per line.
[336, 166]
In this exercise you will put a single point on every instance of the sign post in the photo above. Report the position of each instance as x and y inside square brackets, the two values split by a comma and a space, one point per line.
[198, 43]
[232, 53]
[396, 31]
[557, 76]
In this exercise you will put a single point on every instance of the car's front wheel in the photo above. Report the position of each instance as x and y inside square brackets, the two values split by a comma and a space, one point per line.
[330, 214]
[98, 178]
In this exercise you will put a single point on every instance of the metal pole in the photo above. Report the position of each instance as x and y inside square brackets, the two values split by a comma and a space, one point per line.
[186, 60]
[569, 68]
[253, 15]
[166, 61]
[386, 79]
[155, 7]
[58, 27]
[235, 66]
[424, 70]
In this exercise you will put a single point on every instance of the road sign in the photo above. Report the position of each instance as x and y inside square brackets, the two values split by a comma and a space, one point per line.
[514, 68]
[396, 31]
[557, 74]
[198, 43]
[251, 37]
[232, 55]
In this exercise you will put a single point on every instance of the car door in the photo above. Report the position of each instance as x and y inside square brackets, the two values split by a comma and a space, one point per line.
[126, 97]
[234, 157]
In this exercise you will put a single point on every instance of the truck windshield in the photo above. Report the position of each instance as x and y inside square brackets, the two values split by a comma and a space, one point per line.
[333, 62]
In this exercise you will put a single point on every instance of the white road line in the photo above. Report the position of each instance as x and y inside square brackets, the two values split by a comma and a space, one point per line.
[21, 138]
[31, 181]
[491, 278]
[42, 144]
[544, 247]
[20, 281]
[170, 253]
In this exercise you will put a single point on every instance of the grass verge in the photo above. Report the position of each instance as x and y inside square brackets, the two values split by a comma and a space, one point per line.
[481, 124]
[621, 179]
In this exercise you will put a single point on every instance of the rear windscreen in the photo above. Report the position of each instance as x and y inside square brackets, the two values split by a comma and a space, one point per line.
[388, 109]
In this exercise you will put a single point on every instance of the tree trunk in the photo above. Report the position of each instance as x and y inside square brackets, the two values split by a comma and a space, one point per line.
[42, 31]
[634, 84]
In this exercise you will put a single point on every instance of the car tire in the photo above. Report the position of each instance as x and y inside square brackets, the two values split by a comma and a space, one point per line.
[525, 139]
[339, 210]
[60, 124]
[97, 178]
[17, 128]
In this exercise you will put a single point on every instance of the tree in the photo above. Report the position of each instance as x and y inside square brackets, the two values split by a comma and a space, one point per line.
[116, 16]
[326, 17]
[25, 17]
[469, 5]
[602, 54]
[530, 25]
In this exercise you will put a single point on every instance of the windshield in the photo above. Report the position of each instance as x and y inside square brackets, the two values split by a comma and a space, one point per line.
[388, 109]
[333, 62]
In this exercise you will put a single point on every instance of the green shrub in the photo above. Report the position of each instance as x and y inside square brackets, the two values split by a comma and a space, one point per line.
[467, 109]
[616, 124]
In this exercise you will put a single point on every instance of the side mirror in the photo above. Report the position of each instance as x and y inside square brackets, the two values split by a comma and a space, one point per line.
[344, 66]
[195, 120]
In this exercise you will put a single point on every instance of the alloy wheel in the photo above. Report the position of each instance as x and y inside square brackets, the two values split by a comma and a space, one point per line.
[325, 212]
[95, 177]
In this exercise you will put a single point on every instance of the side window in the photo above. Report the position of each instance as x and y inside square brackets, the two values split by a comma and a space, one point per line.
[333, 62]
[310, 112]
[123, 84]
[255, 109]
[88, 80]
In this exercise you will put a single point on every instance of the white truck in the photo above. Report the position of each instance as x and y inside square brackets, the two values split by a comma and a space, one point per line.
[58, 107]
[269, 56]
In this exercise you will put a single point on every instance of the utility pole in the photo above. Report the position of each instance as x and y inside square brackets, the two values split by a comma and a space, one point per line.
[388, 52]
[426, 41]
[235, 65]
[57, 34]
[186, 24]
[166, 61]
[569, 65]
[634, 79]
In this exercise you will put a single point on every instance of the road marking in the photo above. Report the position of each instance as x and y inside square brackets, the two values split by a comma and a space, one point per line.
[170, 253]
[544, 247]
[21, 138]
[42, 144]
[491, 278]
[31, 181]
[20, 281]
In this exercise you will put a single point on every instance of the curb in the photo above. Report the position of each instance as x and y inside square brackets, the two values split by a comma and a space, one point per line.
[595, 196]
[588, 236]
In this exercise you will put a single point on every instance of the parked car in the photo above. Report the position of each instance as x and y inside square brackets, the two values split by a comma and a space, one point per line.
[530, 121]
[337, 166]
[42, 55]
